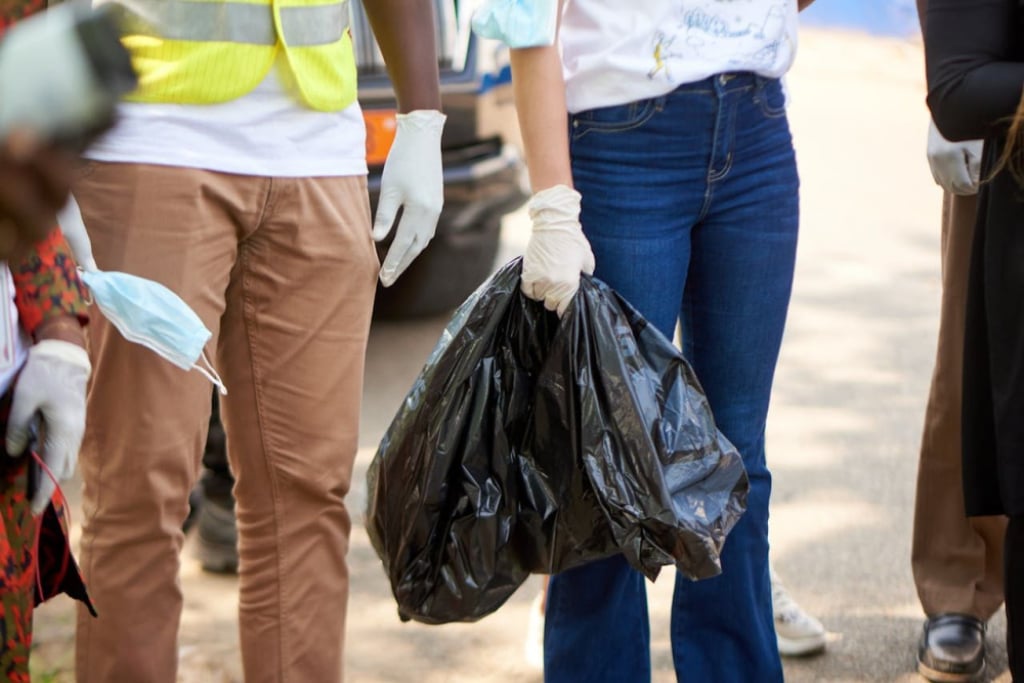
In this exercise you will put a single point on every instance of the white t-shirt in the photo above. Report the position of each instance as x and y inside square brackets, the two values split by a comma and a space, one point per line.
[264, 133]
[614, 52]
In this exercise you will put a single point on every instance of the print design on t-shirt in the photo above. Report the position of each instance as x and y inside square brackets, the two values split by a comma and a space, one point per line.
[662, 50]
[711, 26]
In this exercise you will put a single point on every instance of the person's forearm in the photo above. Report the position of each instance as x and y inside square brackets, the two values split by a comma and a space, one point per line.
[404, 30]
[47, 285]
[804, 4]
[540, 104]
[62, 328]
[974, 82]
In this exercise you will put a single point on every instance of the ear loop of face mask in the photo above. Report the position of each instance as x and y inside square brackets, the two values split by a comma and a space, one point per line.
[87, 298]
[210, 373]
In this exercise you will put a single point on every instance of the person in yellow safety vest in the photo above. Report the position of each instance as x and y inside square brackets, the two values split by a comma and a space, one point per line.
[237, 178]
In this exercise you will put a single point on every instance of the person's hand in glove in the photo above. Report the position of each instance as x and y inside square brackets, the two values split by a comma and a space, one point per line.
[51, 385]
[558, 251]
[412, 180]
[956, 166]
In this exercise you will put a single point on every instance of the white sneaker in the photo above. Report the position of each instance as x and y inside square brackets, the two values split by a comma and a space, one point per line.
[797, 632]
[534, 645]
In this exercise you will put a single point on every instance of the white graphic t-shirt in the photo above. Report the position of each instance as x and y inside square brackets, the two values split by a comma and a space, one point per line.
[614, 52]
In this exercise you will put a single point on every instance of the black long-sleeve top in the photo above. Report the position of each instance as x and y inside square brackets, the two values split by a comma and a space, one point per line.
[975, 64]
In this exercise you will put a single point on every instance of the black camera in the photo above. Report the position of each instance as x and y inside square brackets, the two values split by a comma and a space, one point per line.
[62, 73]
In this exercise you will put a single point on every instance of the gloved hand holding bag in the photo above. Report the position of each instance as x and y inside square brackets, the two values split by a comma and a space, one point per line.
[557, 251]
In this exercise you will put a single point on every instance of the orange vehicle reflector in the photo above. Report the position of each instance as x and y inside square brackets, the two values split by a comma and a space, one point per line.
[380, 133]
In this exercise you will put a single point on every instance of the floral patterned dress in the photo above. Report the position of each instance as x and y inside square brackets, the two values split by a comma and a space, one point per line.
[35, 556]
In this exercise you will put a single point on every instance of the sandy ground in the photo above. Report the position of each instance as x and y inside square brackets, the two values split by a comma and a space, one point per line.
[843, 433]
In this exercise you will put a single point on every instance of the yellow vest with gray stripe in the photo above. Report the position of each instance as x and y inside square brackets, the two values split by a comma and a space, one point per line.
[211, 51]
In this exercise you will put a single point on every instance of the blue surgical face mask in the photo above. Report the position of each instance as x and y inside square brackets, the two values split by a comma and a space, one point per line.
[147, 313]
[517, 23]
[143, 311]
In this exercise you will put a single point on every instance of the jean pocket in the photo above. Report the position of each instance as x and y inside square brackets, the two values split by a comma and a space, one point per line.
[617, 119]
[771, 98]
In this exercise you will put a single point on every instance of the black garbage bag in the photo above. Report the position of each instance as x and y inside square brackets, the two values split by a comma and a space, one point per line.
[530, 444]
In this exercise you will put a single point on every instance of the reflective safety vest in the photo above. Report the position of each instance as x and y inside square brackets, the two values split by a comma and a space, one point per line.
[211, 51]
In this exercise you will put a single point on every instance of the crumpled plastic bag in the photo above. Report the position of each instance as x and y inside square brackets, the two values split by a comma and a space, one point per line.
[517, 23]
[530, 444]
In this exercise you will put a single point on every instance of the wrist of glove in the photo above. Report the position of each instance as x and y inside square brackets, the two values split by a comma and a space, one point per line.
[955, 166]
[557, 251]
[52, 386]
[412, 180]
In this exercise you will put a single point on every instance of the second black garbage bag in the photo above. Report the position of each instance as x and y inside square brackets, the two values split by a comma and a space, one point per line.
[530, 444]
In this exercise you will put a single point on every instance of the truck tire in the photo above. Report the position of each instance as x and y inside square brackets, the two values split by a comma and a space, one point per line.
[451, 267]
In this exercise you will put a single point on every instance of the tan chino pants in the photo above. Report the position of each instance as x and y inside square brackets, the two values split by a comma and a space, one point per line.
[283, 272]
[957, 561]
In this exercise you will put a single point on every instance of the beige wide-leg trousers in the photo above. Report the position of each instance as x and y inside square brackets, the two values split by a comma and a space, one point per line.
[957, 561]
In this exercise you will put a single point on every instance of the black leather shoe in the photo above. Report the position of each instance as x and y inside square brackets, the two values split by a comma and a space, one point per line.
[952, 649]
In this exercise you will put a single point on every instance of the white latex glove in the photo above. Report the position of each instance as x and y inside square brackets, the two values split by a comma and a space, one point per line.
[558, 251]
[71, 224]
[52, 385]
[412, 180]
[956, 166]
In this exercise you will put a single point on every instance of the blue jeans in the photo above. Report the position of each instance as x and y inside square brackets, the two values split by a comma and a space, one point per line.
[691, 205]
